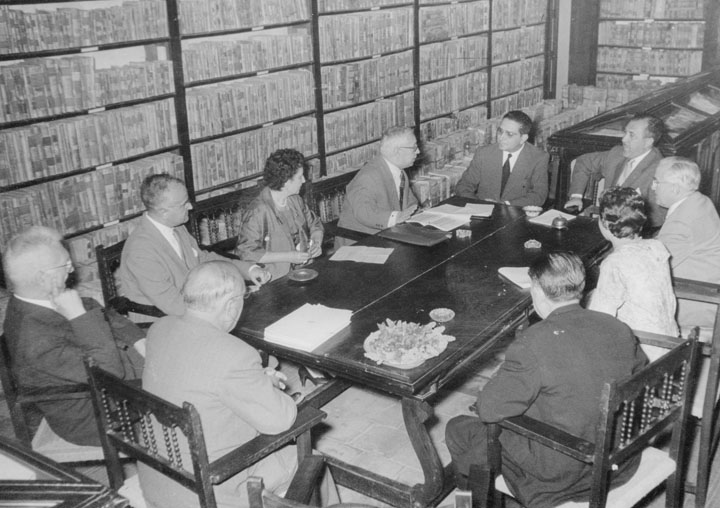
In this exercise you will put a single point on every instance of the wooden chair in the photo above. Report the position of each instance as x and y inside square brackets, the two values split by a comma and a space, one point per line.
[129, 417]
[25, 415]
[108, 260]
[705, 408]
[633, 412]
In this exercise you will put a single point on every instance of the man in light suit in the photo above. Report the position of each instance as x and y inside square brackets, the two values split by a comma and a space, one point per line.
[554, 372]
[160, 252]
[691, 233]
[631, 164]
[194, 358]
[49, 329]
[380, 195]
[512, 171]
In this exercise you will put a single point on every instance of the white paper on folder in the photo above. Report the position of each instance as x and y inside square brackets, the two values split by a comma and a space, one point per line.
[307, 327]
[479, 209]
[547, 218]
[362, 254]
[518, 275]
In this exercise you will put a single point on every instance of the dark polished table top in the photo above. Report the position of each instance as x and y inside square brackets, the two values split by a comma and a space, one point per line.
[460, 274]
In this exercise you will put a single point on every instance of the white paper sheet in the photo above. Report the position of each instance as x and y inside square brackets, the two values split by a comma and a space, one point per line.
[307, 327]
[375, 255]
[518, 275]
[546, 218]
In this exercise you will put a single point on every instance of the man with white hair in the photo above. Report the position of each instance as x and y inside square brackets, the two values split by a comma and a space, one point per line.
[194, 358]
[380, 195]
[691, 232]
[49, 329]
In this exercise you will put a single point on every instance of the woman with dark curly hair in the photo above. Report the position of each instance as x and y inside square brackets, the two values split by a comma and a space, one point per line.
[278, 229]
[635, 283]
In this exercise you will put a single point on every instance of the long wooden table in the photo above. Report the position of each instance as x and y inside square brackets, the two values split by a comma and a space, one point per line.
[461, 274]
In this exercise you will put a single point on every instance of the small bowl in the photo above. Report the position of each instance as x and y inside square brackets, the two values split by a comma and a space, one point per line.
[532, 210]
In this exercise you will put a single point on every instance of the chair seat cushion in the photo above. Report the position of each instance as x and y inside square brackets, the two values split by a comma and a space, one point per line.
[655, 466]
[53, 446]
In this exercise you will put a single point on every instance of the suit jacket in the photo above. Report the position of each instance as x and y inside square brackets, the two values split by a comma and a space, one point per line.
[554, 372]
[527, 185]
[609, 165]
[263, 230]
[188, 359]
[47, 350]
[372, 196]
[692, 235]
[152, 273]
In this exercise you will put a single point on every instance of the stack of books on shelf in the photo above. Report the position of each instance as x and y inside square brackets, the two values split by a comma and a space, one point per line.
[447, 124]
[208, 59]
[662, 62]
[516, 13]
[664, 34]
[83, 201]
[52, 148]
[52, 28]
[329, 205]
[452, 94]
[350, 160]
[449, 58]
[519, 75]
[201, 16]
[221, 225]
[341, 5]
[241, 155]
[243, 103]
[51, 86]
[514, 44]
[364, 80]
[458, 19]
[656, 9]
[344, 37]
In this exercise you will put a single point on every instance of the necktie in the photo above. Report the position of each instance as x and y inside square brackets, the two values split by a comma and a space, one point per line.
[401, 191]
[627, 170]
[505, 174]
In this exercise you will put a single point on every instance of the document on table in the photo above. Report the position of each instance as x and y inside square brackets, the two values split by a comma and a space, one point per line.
[375, 255]
[307, 327]
[547, 218]
[518, 275]
[448, 217]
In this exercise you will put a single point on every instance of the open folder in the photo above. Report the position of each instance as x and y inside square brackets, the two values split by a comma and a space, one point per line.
[307, 327]
[415, 234]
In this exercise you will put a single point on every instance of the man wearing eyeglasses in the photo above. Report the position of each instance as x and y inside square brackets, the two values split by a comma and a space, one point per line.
[512, 171]
[691, 233]
[380, 195]
[160, 252]
[49, 329]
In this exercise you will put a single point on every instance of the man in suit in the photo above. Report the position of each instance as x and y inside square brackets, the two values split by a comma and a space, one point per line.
[631, 164]
[511, 171]
[554, 372]
[380, 195]
[691, 233]
[160, 252]
[49, 329]
[194, 358]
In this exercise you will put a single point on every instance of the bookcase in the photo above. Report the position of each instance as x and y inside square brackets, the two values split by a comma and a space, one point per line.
[648, 39]
[96, 94]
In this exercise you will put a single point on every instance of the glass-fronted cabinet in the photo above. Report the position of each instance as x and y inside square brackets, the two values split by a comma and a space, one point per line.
[691, 111]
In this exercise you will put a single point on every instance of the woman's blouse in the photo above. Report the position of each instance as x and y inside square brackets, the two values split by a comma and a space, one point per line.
[635, 286]
[266, 228]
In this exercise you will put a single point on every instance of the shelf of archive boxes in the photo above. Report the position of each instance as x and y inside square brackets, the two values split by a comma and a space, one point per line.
[508, 94]
[81, 50]
[459, 74]
[485, 31]
[517, 27]
[368, 9]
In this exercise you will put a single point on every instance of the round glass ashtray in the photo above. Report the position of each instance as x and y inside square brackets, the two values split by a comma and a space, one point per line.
[442, 315]
[302, 274]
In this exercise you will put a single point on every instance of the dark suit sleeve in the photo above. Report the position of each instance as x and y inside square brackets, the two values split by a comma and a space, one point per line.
[586, 166]
[94, 337]
[368, 209]
[514, 387]
[538, 184]
[468, 184]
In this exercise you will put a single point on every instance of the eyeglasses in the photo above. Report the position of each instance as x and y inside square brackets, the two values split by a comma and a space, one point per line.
[67, 265]
[413, 148]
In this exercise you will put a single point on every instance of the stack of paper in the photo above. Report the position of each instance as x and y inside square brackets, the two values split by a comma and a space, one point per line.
[448, 217]
[307, 327]
[361, 254]
[518, 275]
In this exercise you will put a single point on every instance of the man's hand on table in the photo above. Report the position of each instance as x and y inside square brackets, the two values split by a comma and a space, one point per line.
[574, 203]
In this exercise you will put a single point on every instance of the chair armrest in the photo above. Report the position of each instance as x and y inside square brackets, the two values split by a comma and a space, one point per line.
[124, 305]
[656, 339]
[51, 393]
[697, 290]
[550, 436]
[256, 449]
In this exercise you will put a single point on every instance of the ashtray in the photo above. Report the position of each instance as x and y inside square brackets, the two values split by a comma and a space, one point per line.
[302, 275]
[532, 244]
[442, 315]
[532, 210]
